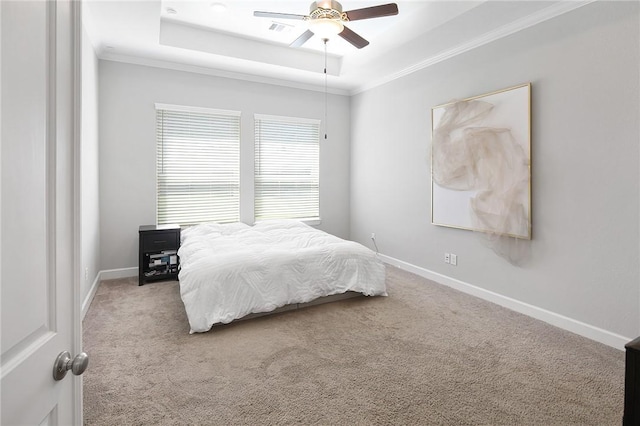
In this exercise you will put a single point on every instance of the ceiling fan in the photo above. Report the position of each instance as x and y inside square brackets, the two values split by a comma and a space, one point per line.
[326, 19]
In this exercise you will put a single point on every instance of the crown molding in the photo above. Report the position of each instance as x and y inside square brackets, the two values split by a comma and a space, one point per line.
[176, 66]
[504, 31]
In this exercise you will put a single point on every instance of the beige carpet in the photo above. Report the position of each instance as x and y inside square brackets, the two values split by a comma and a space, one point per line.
[424, 355]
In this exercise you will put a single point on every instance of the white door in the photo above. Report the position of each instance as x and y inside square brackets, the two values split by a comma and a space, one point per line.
[39, 313]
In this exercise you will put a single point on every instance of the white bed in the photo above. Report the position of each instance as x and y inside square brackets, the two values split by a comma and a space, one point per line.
[229, 271]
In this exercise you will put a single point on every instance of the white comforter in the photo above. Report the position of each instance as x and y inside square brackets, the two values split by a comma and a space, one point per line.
[229, 271]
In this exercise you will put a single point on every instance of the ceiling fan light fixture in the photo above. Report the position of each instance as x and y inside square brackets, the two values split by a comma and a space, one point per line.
[325, 28]
[326, 8]
[325, 20]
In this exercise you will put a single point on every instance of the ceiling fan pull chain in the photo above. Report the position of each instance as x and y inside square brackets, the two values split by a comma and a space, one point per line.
[326, 125]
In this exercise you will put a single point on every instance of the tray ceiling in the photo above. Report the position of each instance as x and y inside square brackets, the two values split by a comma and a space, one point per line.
[222, 37]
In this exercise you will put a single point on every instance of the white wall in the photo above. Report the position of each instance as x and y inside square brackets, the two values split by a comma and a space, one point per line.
[128, 145]
[584, 262]
[89, 200]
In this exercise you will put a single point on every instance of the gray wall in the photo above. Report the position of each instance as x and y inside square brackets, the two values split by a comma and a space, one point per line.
[128, 145]
[89, 200]
[584, 70]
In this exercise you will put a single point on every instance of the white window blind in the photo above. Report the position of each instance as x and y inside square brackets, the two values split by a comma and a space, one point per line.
[287, 184]
[198, 165]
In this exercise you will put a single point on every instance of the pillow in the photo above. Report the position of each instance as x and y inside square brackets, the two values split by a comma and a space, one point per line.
[212, 229]
[267, 225]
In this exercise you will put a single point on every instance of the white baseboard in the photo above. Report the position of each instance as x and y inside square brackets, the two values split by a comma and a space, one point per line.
[92, 292]
[109, 274]
[591, 332]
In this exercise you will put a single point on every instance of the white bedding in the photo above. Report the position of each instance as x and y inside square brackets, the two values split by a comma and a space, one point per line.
[229, 271]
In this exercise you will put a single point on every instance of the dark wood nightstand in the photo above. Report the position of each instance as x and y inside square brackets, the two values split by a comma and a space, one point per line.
[158, 255]
[632, 383]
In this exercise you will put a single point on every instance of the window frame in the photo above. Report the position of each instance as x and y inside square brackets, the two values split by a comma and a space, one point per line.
[256, 152]
[229, 114]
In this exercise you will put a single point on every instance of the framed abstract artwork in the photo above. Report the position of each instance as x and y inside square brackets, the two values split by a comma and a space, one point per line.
[481, 163]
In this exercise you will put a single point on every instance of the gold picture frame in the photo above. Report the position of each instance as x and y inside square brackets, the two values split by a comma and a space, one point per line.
[481, 163]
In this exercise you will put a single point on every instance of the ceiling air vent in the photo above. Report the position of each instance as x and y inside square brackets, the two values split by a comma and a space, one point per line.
[279, 27]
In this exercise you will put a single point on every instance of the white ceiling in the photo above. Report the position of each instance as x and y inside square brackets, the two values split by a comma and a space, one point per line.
[234, 43]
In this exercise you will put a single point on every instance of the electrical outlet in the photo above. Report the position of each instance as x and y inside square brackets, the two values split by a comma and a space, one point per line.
[454, 259]
[446, 258]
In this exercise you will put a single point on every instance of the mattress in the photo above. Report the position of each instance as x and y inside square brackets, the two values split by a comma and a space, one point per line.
[232, 270]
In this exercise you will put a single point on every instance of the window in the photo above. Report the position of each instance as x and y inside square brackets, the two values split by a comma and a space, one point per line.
[198, 165]
[287, 183]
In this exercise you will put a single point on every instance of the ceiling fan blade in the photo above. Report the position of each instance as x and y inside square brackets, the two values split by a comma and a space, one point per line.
[373, 12]
[302, 39]
[353, 38]
[278, 15]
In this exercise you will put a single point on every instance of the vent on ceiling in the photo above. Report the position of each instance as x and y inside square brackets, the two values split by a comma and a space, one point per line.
[280, 27]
